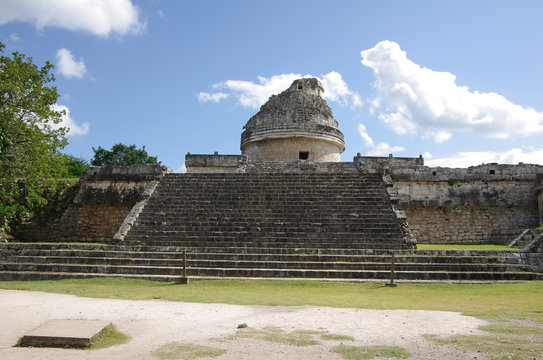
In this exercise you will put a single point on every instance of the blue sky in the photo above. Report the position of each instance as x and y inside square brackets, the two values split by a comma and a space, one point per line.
[457, 81]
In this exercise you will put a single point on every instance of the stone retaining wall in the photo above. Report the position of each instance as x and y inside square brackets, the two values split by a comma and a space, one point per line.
[106, 196]
[213, 164]
[445, 205]
[466, 224]
[93, 222]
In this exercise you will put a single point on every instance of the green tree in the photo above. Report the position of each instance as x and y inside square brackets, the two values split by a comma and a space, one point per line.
[30, 134]
[73, 167]
[121, 154]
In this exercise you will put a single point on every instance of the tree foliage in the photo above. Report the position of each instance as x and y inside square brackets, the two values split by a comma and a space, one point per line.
[121, 154]
[30, 134]
[73, 167]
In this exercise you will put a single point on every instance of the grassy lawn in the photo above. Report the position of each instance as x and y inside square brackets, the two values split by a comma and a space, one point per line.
[514, 308]
[488, 301]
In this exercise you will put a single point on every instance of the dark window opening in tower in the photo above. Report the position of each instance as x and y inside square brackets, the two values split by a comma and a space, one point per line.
[300, 86]
[304, 155]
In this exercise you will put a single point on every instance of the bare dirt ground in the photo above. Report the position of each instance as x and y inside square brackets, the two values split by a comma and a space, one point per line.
[152, 324]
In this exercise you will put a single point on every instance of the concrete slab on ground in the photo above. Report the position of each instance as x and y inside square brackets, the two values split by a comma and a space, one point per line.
[64, 333]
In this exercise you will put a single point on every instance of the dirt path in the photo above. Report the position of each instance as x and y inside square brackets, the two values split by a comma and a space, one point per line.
[152, 324]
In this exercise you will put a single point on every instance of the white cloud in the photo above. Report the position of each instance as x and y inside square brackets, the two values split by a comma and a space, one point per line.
[69, 67]
[375, 103]
[473, 158]
[68, 122]
[14, 37]
[384, 149]
[398, 122]
[381, 149]
[427, 155]
[204, 97]
[366, 138]
[182, 169]
[438, 136]
[253, 94]
[336, 89]
[99, 17]
[412, 98]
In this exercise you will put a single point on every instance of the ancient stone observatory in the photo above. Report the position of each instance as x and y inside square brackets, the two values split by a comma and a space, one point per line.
[294, 125]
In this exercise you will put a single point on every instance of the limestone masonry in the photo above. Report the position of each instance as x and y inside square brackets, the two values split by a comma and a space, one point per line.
[295, 132]
[294, 125]
[286, 207]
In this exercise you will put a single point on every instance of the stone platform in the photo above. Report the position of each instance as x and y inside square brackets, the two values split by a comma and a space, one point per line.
[61, 333]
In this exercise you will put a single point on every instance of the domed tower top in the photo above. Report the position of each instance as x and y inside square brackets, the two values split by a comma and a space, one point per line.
[307, 85]
[294, 125]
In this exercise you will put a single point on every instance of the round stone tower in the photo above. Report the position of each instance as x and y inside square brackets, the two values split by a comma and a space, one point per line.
[294, 125]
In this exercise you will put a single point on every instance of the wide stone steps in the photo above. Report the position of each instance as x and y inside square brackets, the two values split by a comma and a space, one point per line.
[276, 244]
[172, 274]
[296, 255]
[45, 262]
[269, 209]
[53, 261]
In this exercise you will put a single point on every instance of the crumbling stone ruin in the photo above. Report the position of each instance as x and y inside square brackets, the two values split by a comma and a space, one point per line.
[294, 125]
[287, 207]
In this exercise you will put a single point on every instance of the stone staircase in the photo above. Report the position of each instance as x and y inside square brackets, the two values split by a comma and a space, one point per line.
[56, 261]
[349, 210]
[524, 238]
[270, 225]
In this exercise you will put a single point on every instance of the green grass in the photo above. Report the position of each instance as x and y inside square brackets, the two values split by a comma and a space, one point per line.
[489, 301]
[174, 351]
[277, 335]
[108, 337]
[464, 247]
[370, 352]
[503, 341]
[336, 337]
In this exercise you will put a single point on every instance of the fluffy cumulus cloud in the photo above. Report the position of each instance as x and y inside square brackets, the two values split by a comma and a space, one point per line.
[253, 94]
[384, 149]
[366, 138]
[412, 99]
[473, 158]
[205, 97]
[336, 89]
[68, 122]
[98, 17]
[380, 149]
[68, 66]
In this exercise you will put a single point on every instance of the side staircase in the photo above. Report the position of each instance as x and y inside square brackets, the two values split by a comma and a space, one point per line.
[525, 238]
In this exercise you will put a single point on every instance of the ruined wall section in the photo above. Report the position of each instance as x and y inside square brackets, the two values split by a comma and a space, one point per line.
[445, 205]
[299, 167]
[214, 164]
[106, 196]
